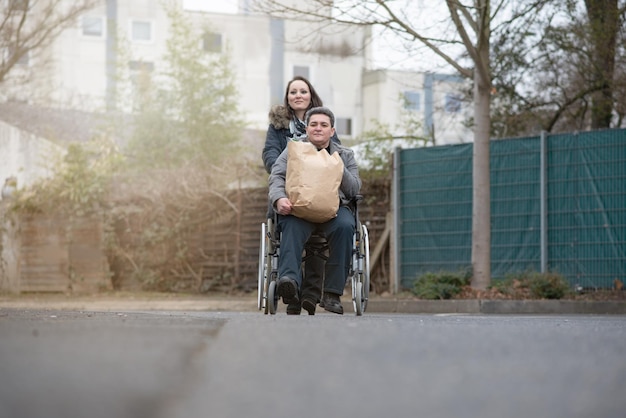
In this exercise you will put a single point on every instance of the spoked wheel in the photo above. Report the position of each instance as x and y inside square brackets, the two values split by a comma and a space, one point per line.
[270, 230]
[358, 298]
[261, 271]
[266, 297]
[365, 251]
[272, 297]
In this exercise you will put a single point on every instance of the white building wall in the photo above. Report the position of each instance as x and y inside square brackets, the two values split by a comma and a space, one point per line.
[247, 40]
[73, 72]
[143, 10]
[373, 104]
[388, 88]
[77, 73]
[383, 92]
[345, 92]
[335, 63]
[449, 126]
[24, 156]
[80, 63]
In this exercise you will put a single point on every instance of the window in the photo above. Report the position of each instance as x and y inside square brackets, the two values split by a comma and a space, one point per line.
[412, 100]
[343, 126]
[141, 31]
[93, 26]
[212, 42]
[453, 103]
[300, 70]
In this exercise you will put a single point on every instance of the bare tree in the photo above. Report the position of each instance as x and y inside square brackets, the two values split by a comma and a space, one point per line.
[604, 23]
[568, 73]
[471, 30]
[29, 26]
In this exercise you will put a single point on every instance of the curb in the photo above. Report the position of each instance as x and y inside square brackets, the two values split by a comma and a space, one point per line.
[376, 305]
[483, 306]
[553, 307]
[467, 306]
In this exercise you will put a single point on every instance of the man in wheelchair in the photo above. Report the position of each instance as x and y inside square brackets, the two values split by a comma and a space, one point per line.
[295, 231]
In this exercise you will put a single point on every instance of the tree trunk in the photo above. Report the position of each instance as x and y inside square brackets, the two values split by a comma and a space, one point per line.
[603, 24]
[481, 193]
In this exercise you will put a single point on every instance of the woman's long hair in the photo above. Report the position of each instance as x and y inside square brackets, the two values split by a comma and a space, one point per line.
[315, 98]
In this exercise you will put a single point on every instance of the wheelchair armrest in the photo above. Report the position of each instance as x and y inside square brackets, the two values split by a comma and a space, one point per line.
[354, 203]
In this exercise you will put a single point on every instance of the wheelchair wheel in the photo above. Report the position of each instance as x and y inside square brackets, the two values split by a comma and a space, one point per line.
[261, 271]
[361, 273]
[272, 297]
[266, 300]
[272, 231]
[365, 252]
[357, 299]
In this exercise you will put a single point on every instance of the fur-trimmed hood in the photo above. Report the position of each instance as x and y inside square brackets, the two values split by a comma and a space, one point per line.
[279, 117]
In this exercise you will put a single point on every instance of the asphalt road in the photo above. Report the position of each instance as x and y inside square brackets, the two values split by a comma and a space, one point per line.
[75, 364]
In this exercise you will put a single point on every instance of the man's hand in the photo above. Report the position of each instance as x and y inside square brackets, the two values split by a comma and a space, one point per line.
[283, 206]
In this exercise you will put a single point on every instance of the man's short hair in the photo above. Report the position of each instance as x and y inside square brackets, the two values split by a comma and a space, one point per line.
[321, 110]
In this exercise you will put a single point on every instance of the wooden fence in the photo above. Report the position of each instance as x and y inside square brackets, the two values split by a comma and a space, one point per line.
[54, 253]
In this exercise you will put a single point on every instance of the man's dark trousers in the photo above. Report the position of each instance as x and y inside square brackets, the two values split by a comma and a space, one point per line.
[339, 232]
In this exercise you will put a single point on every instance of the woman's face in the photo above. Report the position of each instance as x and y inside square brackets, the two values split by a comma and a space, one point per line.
[299, 96]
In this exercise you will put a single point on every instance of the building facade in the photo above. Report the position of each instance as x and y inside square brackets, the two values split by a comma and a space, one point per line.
[79, 70]
[434, 101]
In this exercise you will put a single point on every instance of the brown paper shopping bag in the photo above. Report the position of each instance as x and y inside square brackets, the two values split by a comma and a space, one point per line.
[312, 183]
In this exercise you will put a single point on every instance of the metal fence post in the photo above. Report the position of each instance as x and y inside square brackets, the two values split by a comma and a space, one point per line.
[543, 204]
[394, 239]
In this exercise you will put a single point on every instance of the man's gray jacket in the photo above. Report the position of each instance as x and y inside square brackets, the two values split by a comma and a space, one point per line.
[350, 183]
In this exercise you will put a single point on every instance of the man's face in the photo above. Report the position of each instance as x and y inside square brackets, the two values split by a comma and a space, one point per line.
[319, 130]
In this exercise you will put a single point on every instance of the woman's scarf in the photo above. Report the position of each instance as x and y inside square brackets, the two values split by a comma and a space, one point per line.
[297, 128]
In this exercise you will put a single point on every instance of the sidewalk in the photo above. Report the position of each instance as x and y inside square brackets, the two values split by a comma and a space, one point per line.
[174, 302]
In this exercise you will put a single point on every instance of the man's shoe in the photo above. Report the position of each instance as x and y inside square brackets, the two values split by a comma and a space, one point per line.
[288, 290]
[332, 303]
[308, 305]
[294, 309]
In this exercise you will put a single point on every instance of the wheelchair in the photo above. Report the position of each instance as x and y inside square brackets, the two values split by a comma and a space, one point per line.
[269, 252]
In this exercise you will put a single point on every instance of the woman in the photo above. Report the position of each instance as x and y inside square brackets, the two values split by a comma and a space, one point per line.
[287, 123]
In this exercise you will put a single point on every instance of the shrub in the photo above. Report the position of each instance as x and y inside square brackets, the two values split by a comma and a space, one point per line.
[548, 286]
[533, 284]
[442, 285]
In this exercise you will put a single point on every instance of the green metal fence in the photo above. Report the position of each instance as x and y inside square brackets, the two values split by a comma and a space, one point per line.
[558, 203]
